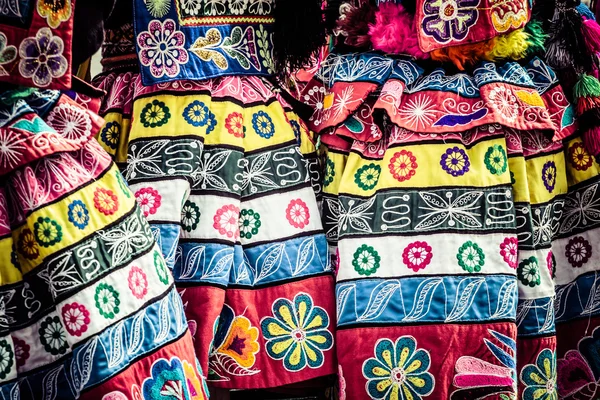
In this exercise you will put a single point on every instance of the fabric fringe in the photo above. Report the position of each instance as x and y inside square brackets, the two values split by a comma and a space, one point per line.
[356, 25]
[536, 37]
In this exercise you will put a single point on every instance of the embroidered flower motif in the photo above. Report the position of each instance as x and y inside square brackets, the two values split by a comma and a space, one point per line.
[297, 132]
[447, 20]
[298, 333]
[162, 48]
[540, 378]
[455, 161]
[297, 214]
[197, 387]
[263, 124]
[330, 172]
[76, 318]
[366, 260]
[495, 160]
[7, 359]
[116, 395]
[504, 102]
[138, 283]
[579, 158]
[167, 382]
[528, 272]
[149, 200]
[42, 58]
[107, 300]
[53, 336]
[367, 176]
[21, 351]
[8, 54]
[417, 255]
[155, 114]
[260, 7]
[578, 251]
[399, 370]
[122, 185]
[549, 175]
[110, 135]
[78, 214]
[512, 178]
[551, 264]
[161, 268]
[249, 223]
[226, 221]
[470, 257]
[237, 7]
[71, 122]
[47, 232]
[158, 8]
[191, 7]
[190, 216]
[234, 123]
[55, 11]
[403, 165]
[198, 115]
[509, 251]
[106, 201]
[341, 384]
[28, 247]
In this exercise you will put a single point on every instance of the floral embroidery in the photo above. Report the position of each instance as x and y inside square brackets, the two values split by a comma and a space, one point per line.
[162, 48]
[549, 175]
[53, 336]
[399, 370]
[263, 125]
[551, 264]
[470, 257]
[42, 58]
[341, 384]
[71, 122]
[158, 8]
[21, 351]
[116, 395]
[528, 272]
[579, 158]
[540, 378]
[196, 387]
[417, 255]
[504, 102]
[110, 134]
[105, 201]
[191, 7]
[155, 114]
[76, 318]
[28, 247]
[249, 223]
[234, 123]
[47, 232]
[138, 283]
[578, 251]
[7, 359]
[512, 178]
[55, 11]
[122, 185]
[78, 214]
[298, 333]
[149, 200]
[226, 221]
[297, 214]
[198, 115]
[367, 176]
[495, 160]
[455, 161]
[190, 216]
[161, 268]
[330, 172]
[403, 165]
[167, 381]
[447, 20]
[366, 260]
[509, 251]
[107, 300]
[297, 132]
[8, 54]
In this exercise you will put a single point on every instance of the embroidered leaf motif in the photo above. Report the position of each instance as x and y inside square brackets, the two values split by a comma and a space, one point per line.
[116, 352]
[193, 259]
[507, 296]
[136, 335]
[225, 364]
[61, 274]
[81, 365]
[206, 48]
[163, 320]
[10, 8]
[422, 301]
[509, 342]
[269, 261]
[593, 302]
[380, 297]
[220, 264]
[307, 251]
[242, 47]
[465, 294]
[460, 212]
[356, 217]
[256, 174]
[501, 354]
[561, 298]
[343, 294]
[581, 209]
[549, 324]
[49, 383]
[207, 176]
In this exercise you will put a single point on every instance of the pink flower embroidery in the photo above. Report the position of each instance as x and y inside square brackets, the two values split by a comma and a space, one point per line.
[138, 283]
[76, 318]
[578, 251]
[508, 251]
[162, 48]
[297, 213]
[417, 255]
[551, 264]
[116, 395]
[149, 200]
[226, 221]
[21, 351]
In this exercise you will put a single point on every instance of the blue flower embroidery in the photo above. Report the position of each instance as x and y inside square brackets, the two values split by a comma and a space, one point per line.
[298, 333]
[540, 378]
[198, 114]
[78, 214]
[263, 125]
[297, 133]
[110, 134]
[168, 381]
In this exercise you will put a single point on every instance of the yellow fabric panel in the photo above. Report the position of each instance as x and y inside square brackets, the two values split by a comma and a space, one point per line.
[8, 273]
[581, 166]
[537, 190]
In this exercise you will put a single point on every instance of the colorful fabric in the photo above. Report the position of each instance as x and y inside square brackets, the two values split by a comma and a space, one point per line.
[89, 308]
[227, 176]
[442, 198]
[196, 40]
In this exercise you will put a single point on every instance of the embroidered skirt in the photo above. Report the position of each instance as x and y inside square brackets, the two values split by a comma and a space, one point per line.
[227, 175]
[442, 196]
[88, 305]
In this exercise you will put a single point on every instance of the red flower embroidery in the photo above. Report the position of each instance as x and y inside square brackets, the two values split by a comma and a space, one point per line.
[106, 201]
[579, 157]
[226, 221]
[149, 200]
[235, 124]
[138, 283]
[417, 255]
[578, 251]
[551, 264]
[76, 318]
[21, 351]
[403, 165]
[297, 213]
[508, 251]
